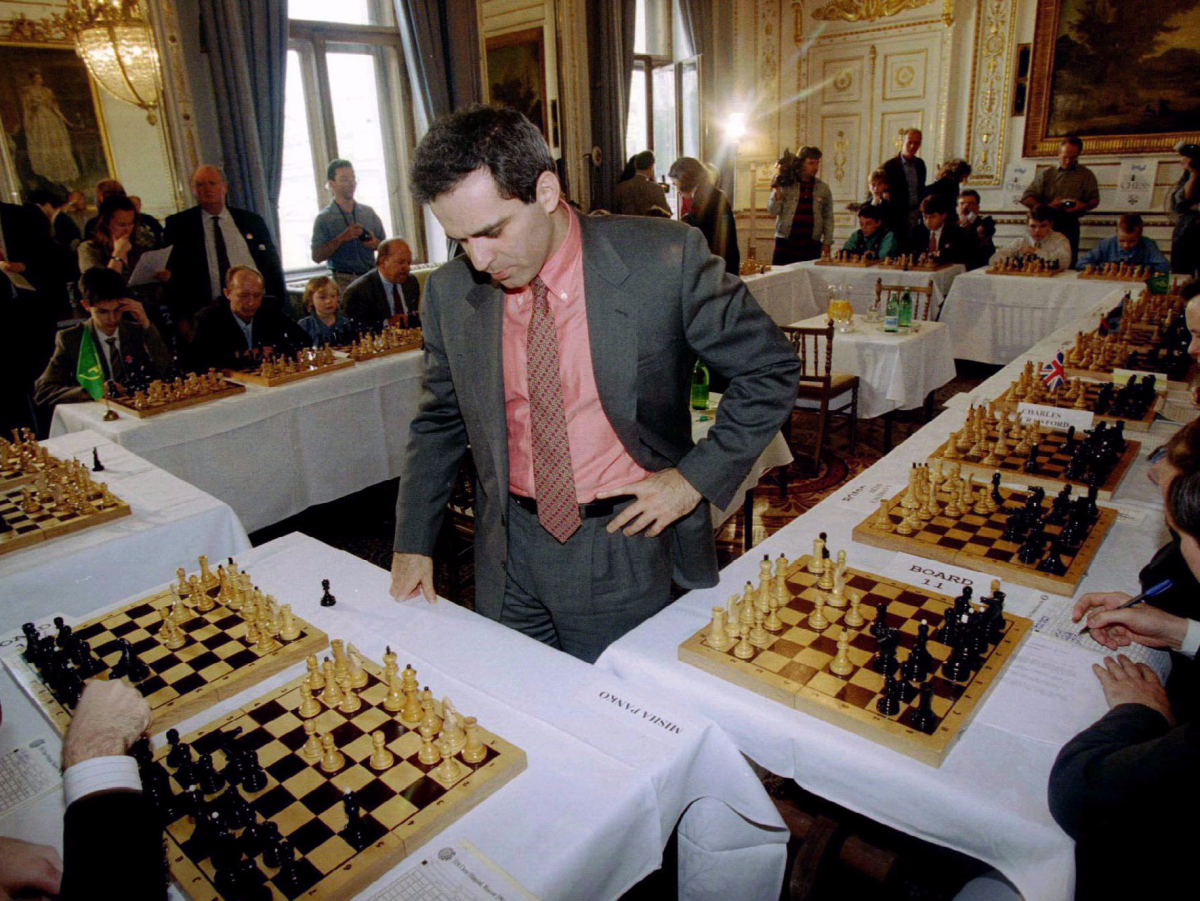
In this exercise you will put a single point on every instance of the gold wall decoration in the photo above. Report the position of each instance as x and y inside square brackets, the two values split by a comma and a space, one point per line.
[840, 146]
[22, 30]
[865, 10]
[987, 121]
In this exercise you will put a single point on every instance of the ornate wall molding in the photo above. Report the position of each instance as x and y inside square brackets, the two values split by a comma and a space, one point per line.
[991, 66]
[50, 30]
[865, 10]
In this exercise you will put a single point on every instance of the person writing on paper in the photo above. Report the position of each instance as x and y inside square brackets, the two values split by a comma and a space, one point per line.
[1119, 787]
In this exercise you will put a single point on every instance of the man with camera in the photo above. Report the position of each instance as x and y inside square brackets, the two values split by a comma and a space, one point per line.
[345, 233]
[1068, 188]
[802, 205]
[1184, 206]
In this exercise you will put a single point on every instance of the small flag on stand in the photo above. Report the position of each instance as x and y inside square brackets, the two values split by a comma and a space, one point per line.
[1054, 373]
[89, 373]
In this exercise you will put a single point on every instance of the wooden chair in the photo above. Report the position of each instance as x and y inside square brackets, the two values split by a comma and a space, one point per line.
[883, 294]
[818, 382]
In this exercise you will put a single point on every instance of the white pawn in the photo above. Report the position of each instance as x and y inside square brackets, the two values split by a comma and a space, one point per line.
[381, 757]
[853, 618]
[312, 747]
[816, 619]
[841, 664]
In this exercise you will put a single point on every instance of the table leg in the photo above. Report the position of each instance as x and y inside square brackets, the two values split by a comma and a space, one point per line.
[748, 521]
[888, 419]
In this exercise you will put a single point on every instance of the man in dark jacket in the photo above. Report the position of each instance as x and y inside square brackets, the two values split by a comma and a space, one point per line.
[229, 332]
[939, 236]
[906, 184]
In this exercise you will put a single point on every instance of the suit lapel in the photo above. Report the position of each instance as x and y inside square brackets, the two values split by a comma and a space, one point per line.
[483, 339]
[612, 328]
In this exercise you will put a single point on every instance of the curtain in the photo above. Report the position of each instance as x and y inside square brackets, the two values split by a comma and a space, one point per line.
[610, 55]
[441, 52]
[247, 53]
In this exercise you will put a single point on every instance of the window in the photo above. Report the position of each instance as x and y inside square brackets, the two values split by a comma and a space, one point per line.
[346, 96]
[664, 97]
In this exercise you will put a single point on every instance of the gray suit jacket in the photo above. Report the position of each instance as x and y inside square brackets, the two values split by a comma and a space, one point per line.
[656, 299]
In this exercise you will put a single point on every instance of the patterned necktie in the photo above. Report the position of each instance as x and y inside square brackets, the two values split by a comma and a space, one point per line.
[397, 300]
[115, 367]
[933, 248]
[553, 478]
[222, 254]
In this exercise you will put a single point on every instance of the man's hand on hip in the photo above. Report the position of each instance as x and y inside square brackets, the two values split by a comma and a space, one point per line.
[662, 498]
[411, 572]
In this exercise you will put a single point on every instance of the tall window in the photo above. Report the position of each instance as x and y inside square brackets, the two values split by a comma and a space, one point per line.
[346, 96]
[664, 98]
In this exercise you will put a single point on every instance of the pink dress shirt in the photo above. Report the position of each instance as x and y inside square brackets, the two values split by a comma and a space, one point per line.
[598, 459]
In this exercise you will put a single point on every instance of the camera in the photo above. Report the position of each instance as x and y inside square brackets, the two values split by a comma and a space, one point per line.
[790, 166]
[366, 236]
[1069, 204]
[1191, 151]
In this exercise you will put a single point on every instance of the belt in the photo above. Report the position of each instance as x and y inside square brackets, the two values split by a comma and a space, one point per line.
[603, 507]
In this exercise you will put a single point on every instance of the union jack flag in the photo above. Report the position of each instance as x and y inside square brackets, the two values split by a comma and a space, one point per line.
[1054, 373]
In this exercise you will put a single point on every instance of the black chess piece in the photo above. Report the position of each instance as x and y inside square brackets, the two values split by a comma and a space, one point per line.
[1068, 447]
[1031, 549]
[958, 667]
[129, 665]
[86, 663]
[1032, 464]
[824, 545]
[63, 636]
[175, 756]
[880, 626]
[997, 497]
[995, 608]
[97, 466]
[204, 840]
[889, 702]
[207, 777]
[268, 834]
[1052, 563]
[254, 778]
[327, 599]
[354, 833]
[185, 772]
[32, 652]
[921, 659]
[288, 878]
[923, 718]
[884, 660]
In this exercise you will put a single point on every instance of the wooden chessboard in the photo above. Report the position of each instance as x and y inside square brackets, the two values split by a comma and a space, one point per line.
[216, 663]
[1137, 363]
[793, 668]
[1006, 401]
[1052, 464]
[360, 355]
[974, 541]
[1097, 277]
[1045, 273]
[851, 264]
[15, 472]
[914, 267]
[126, 403]
[255, 376]
[402, 807]
[27, 529]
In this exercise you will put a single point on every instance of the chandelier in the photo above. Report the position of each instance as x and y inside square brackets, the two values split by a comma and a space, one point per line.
[116, 43]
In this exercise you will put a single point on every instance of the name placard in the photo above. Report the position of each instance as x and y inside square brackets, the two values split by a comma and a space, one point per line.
[1056, 417]
[939, 577]
[867, 495]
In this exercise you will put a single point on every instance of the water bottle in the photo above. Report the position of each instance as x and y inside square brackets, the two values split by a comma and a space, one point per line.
[700, 386]
[906, 310]
[891, 319]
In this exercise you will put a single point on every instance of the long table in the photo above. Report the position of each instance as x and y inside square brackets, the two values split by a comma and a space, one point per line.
[988, 799]
[785, 293]
[606, 782]
[861, 282]
[272, 452]
[171, 523]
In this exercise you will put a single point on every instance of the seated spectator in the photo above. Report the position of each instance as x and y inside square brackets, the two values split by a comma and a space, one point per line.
[105, 188]
[872, 236]
[1128, 245]
[982, 227]
[1116, 787]
[636, 195]
[1042, 241]
[324, 323]
[117, 242]
[126, 343]
[386, 294]
[708, 209]
[233, 333]
[111, 834]
[949, 178]
[939, 237]
[147, 221]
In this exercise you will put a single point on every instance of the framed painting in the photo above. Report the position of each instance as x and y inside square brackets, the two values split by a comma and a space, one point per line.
[1121, 75]
[516, 73]
[53, 123]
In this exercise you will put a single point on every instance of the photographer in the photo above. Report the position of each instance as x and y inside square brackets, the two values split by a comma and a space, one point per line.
[1068, 188]
[345, 233]
[803, 208]
[1185, 212]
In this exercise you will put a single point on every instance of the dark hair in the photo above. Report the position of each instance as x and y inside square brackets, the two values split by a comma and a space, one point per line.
[500, 140]
[936, 203]
[957, 169]
[643, 160]
[1190, 288]
[1183, 449]
[690, 171]
[808, 153]
[870, 211]
[969, 192]
[1129, 223]
[39, 196]
[1042, 213]
[334, 165]
[1183, 503]
[100, 283]
[1074, 141]
[113, 204]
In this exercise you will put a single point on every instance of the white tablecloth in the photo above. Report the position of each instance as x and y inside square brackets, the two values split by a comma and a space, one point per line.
[172, 523]
[775, 454]
[988, 799]
[785, 293]
[862, 283]
[604, 786]
[896, 369]
[994, 318]
[272, 452]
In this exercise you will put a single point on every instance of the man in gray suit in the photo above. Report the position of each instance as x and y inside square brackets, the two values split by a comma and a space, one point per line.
[635, 196]
[561, 349]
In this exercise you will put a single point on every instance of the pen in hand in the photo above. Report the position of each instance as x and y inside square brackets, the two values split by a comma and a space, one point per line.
[1152, 592]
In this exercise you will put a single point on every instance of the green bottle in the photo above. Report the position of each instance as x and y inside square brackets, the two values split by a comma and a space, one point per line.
[700, 387]
[891, 318]
[906, 311]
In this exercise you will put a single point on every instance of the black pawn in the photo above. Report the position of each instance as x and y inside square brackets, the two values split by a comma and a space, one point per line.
[207, 777]
[996, 495]
[255, 778]
[63, 638]
[271, 839]
[880, 626]
[923, 718]
[288, 878]
[173, 742]
[889, 702]
[1032, 466]
[204, 840]
[354, 833]
[97, 466]
[33, 651]
[185, 772]
[327, 599]
[920, 652]
[884, 660]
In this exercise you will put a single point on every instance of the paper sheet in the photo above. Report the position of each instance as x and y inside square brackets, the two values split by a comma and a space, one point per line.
[27, 773]
[865, 496]
[148, 264]
[1052, 619]
[455, 872]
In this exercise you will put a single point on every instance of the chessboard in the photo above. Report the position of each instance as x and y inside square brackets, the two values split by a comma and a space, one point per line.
[908, 264]
[832, 642]
[242, 638]
[1031, 271]
[60, 500]
[23, 459]
[851, 260]
[1136, 403]
[276, 371]
[351, 786]
[382, 344]
[993, 531]
[1117, 272]
[163, 397]
[1049, 458]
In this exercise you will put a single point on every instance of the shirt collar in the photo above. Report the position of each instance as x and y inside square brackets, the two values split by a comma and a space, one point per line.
[386, 283]
[558, 270]
[224, 210]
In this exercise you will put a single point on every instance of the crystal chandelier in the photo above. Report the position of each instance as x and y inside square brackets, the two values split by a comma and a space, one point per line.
[116, 43]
